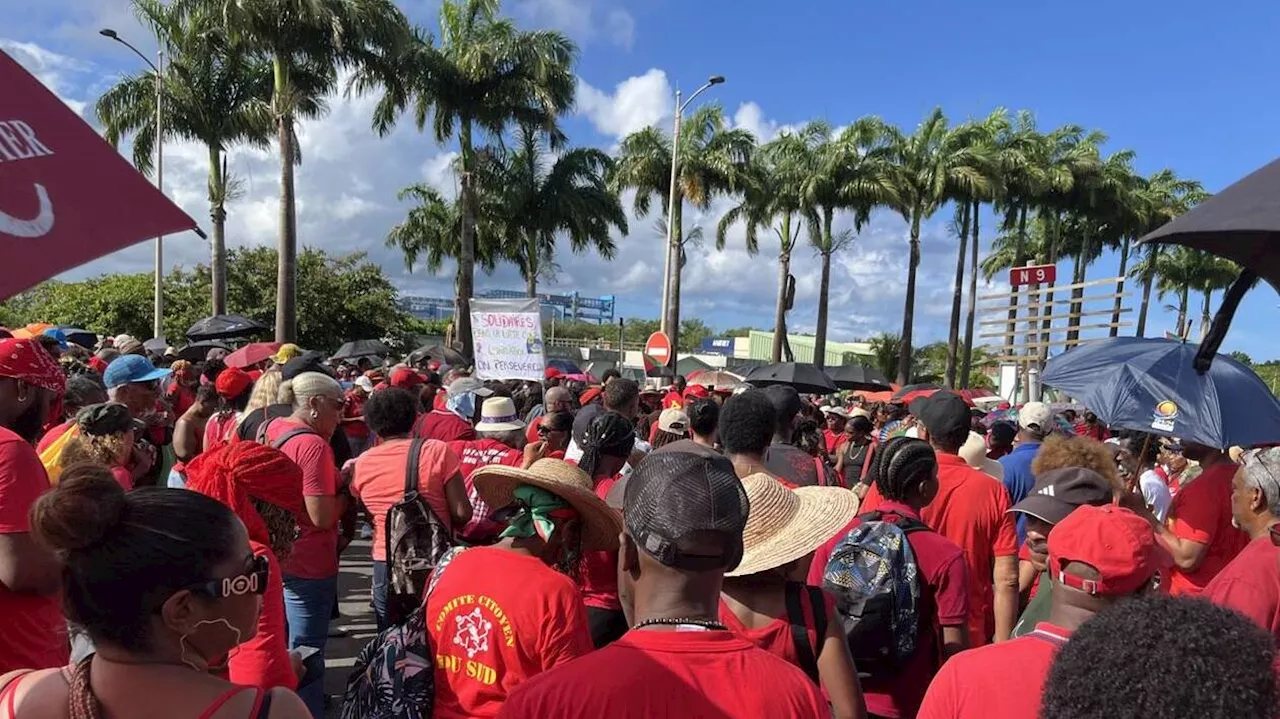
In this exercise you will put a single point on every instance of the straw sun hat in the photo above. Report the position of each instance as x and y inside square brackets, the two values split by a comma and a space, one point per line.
[496, 485]
[784, 525]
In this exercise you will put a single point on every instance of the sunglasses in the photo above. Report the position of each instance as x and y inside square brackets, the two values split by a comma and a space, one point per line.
[544, 430]
[253, 581]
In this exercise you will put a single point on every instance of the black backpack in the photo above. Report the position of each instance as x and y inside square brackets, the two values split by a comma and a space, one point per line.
[806, 652]
[416, 540]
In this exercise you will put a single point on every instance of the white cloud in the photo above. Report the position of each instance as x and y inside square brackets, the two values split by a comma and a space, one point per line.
[439, 172]
[349, 207]
[583, 20]
[750, 117]
[621, 27]
[53, 69]
[635, 103]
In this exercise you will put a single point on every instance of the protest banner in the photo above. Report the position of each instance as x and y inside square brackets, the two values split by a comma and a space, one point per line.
[507, 335]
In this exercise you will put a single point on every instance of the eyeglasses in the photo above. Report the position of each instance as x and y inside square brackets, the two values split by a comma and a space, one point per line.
[544, 430]
[253, 581]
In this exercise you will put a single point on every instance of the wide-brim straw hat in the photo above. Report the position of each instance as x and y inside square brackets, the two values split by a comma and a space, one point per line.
[601, 525]
[784, 525]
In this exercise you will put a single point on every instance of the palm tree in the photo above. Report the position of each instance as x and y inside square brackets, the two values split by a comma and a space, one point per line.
[312, 38]
[1217, 273]
[215, 93]
[771, 193]
[931, 166]
[1178, 272]
[854, 171]
[885, 348]
[713, 159]
[485, 76]
[995, 126]
[1104, 210]
[1166, 196]
[540, 198]
[432, 230]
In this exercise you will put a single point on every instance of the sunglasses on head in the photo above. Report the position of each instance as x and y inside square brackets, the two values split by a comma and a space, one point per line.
[254, 581]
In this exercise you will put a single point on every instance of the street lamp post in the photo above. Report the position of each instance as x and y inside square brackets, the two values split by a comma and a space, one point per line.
[672, 264]
[157, 328]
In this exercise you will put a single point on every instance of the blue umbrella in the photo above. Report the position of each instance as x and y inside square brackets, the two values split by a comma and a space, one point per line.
[1150, 385]
[564, 366]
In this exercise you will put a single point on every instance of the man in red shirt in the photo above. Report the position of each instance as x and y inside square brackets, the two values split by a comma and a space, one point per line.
[35, 635]
[353, 424]
[1097, 556]
[1250, 583]
[833, 433]
[501, 440]
[452, 422]
[1199, 533]
[971, 509]
[905, 472]
[675, 398]
[684, 515]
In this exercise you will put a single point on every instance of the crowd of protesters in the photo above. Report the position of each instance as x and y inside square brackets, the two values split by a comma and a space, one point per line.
[171, 534]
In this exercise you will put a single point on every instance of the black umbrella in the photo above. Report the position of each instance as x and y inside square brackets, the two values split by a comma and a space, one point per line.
[361, 348]
[197, 351]
[84, 338]
[221, 327]
[437, 353]
[155, 345]
[858, 377]
[804, 377]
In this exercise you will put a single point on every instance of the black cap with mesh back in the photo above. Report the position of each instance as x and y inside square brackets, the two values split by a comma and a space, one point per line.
[676, 500]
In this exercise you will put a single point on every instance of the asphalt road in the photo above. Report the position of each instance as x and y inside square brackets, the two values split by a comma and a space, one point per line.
[356, 624]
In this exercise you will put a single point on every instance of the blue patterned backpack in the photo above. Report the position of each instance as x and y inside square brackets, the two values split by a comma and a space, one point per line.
[872, 575]
[394, 675]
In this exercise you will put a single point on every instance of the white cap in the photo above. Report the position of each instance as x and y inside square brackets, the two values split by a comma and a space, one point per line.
[1036, 416]
[364, 383]
[837, 411]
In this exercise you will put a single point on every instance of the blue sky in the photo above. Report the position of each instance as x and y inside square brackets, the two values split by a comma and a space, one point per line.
[1185, 88]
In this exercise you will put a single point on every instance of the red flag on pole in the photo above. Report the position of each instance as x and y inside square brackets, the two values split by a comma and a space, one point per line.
[66, 196]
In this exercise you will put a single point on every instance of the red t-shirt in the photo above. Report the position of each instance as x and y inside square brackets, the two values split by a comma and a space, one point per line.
[497, 618]
[1250, 584]
[661, 674]
[35, 633]
[444, 425]
[263, 661]
[220, 431]
[995, 681]
[1202, 513]
[945, 596]
[353, 406]
[775, 637]
[123, 477]
[473, 455]
[673, 400]
[971, 509]
[181, 397]
[52, 435]
[315, 553]
[379, 483]
[833, 439]
[600, 569]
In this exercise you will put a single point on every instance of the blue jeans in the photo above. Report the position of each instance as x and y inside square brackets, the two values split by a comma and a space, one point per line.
[307, 606]
[380, 593]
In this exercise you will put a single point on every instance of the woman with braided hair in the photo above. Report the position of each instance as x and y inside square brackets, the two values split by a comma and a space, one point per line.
[905, 472]
[606, 444]
[165, 584]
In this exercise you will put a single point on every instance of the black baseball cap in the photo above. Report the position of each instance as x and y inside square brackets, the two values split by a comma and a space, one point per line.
[308, 361]
[943, 414]
[1059, 491]
[672, 496]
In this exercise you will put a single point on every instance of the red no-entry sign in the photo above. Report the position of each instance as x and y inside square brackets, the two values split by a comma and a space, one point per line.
[658, 346]
[1034, 275]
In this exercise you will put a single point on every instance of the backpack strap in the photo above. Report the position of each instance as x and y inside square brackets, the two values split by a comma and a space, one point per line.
[1049, 637]
[866, 461]
[411, 467]
[448, 557]
[264, 704]
[808, 661]
[284, 438]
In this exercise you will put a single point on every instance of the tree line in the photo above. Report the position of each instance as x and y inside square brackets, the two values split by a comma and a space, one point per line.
[247, 71]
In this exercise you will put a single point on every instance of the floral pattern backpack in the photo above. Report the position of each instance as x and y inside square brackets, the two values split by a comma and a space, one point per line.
[394, 675]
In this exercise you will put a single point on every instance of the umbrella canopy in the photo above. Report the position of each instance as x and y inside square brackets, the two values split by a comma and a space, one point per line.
[1151, 385]
[437, 353]
[197, 351]
[221, 327]
[908, 392]
[155, 345]
[252, 354]
[858, 377]
[563, 366]
[361, 348]
[805, 377]
[719, 380]
[67, 196]
[84, 338]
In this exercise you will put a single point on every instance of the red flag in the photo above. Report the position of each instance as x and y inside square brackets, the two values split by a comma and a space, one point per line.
[66, 196]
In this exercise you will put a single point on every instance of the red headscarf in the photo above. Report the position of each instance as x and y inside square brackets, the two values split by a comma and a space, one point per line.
[238, 472]
[26, 360]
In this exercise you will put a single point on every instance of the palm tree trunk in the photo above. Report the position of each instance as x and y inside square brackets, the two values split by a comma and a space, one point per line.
[967, 367]
[673, 296]
[1019, 259]
[1077, 276]
[824, 289]
[1148, 278]
[909, 306]
[1051, 258]
[1118, 304]
[1204, 312]
[218, 243]
[957, 293]
[1183, 296]
[531, 266]
[784, 270]
[467, 242]
[287, 249]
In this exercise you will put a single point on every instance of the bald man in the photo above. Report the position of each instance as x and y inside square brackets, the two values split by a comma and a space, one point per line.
[556, 399]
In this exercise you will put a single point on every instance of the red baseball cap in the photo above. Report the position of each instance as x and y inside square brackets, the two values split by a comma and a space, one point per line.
[589, 395]
[405, 378]
[696, 390]
[1114, 541]
[232, 383]
[552, 372]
